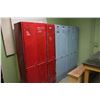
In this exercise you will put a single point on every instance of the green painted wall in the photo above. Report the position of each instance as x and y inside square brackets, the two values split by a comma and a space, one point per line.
[9, 66]
[63, 21]
[85, 27]
[97, 35]
[88, 35]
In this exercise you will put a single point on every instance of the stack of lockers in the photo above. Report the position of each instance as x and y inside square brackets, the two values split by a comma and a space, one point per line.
[36, 44]
[66, 49]
[36, 51]
[73, 46]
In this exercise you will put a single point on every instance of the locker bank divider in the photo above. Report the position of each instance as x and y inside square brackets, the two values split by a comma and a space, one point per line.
[19, 51]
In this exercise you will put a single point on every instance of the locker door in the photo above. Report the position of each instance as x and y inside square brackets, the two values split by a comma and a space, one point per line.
[60, 68]
[66, 35]
[50, 42]
[69, 39]
[73, 46]
[51, 71]
[66, 64]
[41, 46]
[59, 42]
[29, 49]
[43, 73]
[75, 59]
[51, 52]
[32, 74]
[73, 39]
[69, 45]
[67, 48]
[40, 35]
[64, 42]
[28, 41]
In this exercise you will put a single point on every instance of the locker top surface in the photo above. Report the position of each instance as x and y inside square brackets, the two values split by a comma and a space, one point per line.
[30, 23]
[69, 26]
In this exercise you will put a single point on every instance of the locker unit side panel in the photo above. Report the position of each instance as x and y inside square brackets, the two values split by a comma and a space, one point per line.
[19, 51]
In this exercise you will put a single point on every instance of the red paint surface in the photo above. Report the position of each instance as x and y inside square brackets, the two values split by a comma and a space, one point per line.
[35, 43]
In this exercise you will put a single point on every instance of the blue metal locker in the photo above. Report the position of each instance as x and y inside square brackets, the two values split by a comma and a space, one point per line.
[59, 42]
[66, 49]
[73, 38]
[66, 67]
[67, 36]
[64, 32]
[61, 68]
[75, 46]
[69, 39]
[60, 63]
[75, 59]
[70, 44]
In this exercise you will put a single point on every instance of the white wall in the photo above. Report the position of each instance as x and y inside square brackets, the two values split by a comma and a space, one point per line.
[7, 36]
[8, 27]
[28, 19]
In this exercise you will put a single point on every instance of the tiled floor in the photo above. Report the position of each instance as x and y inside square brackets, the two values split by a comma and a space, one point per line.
[96, 79]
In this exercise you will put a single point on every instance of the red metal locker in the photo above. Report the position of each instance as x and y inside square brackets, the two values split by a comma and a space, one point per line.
[41, 46]
[26, 51]
[43, 73]
[35, 49]
[32, 74]
[29, 44]
[52, 71]
[51, 52]
[50, 41]
[40, 35]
